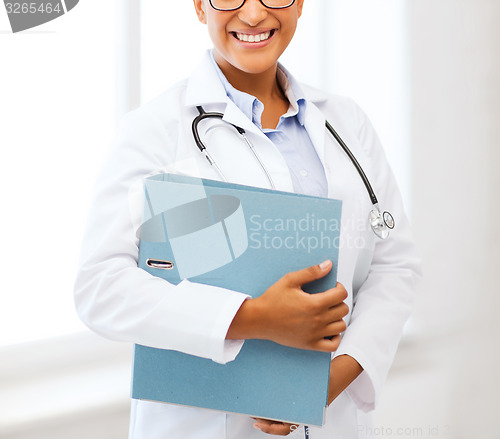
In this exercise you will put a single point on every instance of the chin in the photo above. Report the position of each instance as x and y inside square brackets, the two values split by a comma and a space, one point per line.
[255, 70]
[255, 64]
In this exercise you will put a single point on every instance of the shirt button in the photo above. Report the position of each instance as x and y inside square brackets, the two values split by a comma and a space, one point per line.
[304, 173]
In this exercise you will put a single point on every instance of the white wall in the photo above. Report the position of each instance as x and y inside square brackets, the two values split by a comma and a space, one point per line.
[445, 381]
[456, 113]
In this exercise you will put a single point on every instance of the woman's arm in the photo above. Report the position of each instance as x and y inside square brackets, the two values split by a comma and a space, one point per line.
[343, 371]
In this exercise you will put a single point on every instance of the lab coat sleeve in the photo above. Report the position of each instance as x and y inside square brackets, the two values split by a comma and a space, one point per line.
[120, 301]
[384, 302]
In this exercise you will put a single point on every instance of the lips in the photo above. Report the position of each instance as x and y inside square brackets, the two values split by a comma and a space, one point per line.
[253, 37]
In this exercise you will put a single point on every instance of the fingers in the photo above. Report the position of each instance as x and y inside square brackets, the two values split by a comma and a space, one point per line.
[328, 344]
[275, 427]
[309, 274]
[332, 297]
[335, 328]
[337, 312]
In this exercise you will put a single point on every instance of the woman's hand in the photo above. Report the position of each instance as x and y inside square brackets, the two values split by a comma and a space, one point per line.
[289, 316]
[275, 427]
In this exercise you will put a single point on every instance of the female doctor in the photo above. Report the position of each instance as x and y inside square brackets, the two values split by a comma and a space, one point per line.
[285, 123]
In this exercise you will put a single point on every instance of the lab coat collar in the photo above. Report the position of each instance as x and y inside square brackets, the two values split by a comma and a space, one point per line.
[205, 88]
[253, 108]
[315, 126]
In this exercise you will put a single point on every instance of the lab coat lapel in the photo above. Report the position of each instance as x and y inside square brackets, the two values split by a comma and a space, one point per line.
[236, 117]
[268, 153]
[315, 126]
[205, 88]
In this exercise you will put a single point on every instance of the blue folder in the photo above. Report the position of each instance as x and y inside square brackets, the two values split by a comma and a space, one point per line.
[244, 239]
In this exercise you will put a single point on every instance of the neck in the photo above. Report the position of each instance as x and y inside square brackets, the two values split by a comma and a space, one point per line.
[264, 85]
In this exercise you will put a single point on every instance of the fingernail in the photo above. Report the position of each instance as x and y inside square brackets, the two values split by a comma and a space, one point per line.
[325, 264]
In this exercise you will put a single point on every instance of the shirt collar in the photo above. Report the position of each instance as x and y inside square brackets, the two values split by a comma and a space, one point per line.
[253, 108]
[248, 104]
[293, 92]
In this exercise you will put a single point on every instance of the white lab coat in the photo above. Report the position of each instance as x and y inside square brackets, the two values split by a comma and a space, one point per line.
[122, 302]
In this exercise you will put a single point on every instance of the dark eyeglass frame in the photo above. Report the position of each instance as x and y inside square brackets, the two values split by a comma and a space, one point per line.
[243, 2]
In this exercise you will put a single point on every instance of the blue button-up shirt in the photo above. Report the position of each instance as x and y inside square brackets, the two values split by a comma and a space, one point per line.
[290, 135]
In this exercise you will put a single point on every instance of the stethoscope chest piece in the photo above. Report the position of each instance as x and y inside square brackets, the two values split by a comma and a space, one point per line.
[381, 222]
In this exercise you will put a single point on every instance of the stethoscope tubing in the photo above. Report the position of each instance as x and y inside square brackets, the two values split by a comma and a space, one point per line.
[355, 162]
[204, 115]
[383, 221]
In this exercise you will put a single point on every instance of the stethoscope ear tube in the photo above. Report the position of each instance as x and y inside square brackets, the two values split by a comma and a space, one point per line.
[194, 127]
[204, 115]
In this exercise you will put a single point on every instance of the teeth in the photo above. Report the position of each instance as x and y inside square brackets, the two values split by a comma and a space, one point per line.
[253, 38]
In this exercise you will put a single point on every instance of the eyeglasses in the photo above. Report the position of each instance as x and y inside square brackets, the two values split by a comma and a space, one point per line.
[233, 5]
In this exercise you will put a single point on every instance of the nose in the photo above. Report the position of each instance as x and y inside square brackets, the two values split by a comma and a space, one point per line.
[252, 12]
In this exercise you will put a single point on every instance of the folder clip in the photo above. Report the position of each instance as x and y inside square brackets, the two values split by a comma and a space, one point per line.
[162, 265]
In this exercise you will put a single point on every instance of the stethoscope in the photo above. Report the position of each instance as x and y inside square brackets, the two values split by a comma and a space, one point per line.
[380, 222]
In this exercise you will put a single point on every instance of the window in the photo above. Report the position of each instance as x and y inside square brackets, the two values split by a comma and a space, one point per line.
[57, 117]
[172, 44]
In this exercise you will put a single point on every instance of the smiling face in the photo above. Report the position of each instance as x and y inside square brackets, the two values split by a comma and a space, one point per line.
[252, 38]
